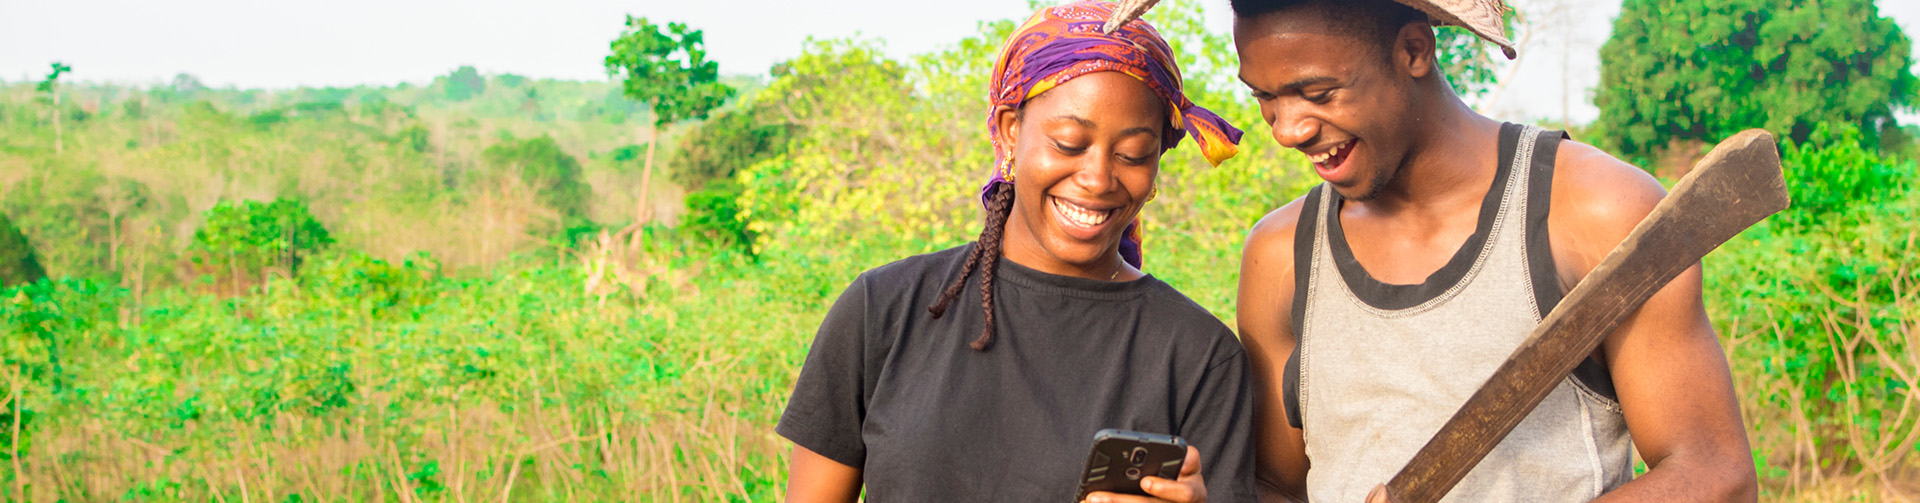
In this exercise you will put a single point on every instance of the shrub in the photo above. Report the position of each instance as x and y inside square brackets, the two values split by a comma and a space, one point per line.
[245, 239]
[17, 262]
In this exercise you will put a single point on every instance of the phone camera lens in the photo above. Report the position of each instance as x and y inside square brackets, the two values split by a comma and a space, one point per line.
[1138, 456]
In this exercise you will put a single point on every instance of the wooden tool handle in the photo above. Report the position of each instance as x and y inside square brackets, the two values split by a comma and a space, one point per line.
[1735, 186]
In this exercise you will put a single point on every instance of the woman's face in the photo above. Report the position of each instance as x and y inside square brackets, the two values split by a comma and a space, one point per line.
[1084, 159]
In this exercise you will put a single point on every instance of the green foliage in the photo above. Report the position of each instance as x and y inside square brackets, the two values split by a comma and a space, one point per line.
[553, 174]
[726, 144]
[1832, 172]
[713, 214]
[18, 265]
[53, 76]
[1706, 69]
[667, 70]
[465, 83]
[247, 238]
[1466, 60]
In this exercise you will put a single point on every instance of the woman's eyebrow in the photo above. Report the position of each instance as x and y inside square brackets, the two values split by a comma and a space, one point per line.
[1085, 123]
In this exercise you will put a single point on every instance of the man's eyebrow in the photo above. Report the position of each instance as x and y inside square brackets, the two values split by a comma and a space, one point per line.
[1290, 86]
[1296, 85]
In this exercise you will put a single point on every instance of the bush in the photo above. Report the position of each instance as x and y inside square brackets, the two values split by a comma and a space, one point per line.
[246, 239]
[18, 265]
[713, 214]
[1832, 171]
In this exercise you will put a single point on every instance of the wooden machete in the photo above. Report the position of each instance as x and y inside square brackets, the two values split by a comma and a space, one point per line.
[1734, 187]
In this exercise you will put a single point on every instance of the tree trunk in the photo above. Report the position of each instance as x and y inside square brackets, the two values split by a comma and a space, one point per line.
[57, 148]
[643, 211]
[646, 176]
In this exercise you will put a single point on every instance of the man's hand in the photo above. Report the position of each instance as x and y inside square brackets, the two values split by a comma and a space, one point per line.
[1191, 488]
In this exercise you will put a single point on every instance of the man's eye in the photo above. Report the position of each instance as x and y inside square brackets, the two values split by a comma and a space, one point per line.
[1319, 97]
[1262, 96]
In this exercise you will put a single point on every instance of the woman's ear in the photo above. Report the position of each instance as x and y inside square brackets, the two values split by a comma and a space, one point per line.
[1413, 49]
[1007, 120]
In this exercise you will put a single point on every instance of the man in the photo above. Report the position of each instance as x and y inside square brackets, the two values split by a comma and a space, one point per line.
[1372, 307]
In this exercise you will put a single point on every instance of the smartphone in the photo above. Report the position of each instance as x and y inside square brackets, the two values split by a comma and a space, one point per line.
[1120, 458]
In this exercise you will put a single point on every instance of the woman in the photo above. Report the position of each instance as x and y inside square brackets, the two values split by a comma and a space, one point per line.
[912, 393]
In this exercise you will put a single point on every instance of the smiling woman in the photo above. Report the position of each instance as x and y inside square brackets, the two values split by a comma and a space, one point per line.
[912, 396]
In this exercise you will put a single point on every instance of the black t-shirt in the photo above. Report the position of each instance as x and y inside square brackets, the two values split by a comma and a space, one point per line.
[891, 390]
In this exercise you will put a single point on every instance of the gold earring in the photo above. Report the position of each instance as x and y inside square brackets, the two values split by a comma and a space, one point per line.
[1153, 193]
[1009, 167]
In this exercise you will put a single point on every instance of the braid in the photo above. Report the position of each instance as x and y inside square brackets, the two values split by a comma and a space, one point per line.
[984, 256]
[998, 207]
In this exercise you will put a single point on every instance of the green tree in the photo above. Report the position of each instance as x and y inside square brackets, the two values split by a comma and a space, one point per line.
[553, 175]
[1706, 69]
[465, 83]
[727, 144]
[49, 86]
[668, 71]
[242, 239]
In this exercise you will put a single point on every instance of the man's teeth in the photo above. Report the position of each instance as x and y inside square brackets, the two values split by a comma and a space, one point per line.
[1323, 156]
[1082, 216]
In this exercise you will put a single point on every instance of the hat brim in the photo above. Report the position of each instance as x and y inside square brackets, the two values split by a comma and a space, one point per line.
[1482, 17]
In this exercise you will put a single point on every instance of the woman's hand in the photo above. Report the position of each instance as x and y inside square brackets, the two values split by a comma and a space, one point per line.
[1191, 488]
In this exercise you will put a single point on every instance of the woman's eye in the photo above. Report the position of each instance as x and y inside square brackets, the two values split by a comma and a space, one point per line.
[1068, 149]
[1319, 97]
[1131, 159]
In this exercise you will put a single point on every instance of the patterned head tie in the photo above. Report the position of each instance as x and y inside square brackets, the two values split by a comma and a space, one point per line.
[1061, 43]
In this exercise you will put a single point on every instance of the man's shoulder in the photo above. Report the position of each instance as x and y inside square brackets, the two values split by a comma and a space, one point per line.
[1597, 199]
[1274, 233]
[1598, 189]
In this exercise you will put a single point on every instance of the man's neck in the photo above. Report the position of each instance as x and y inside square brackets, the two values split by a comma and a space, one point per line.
[1450, 162]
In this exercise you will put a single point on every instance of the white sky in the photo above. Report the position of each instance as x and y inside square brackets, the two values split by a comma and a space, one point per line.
[348, 42]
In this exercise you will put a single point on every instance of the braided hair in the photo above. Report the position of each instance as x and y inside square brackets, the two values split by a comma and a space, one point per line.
[986, 257]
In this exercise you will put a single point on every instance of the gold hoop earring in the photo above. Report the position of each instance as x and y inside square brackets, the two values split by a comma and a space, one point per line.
[1151, 194]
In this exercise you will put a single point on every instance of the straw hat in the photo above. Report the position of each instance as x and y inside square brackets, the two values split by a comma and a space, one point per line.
[1482, 17]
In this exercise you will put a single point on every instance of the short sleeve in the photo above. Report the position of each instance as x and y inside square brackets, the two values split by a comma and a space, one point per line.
[829, 399]
[1220, 425]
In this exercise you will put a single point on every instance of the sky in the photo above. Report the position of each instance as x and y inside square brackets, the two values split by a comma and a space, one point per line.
[279, 45]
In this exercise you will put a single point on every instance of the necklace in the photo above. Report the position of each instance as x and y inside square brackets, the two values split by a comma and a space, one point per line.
[1115, 275]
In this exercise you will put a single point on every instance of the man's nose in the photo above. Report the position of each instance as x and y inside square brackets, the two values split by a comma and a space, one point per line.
[1292, 130]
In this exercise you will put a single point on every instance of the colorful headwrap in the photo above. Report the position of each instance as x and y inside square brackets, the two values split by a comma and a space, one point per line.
[1061, 43]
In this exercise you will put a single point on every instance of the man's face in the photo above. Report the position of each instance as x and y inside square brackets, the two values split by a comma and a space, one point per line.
[1333, 95]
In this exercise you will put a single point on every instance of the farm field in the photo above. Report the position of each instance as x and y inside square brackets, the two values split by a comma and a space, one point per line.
[503, 288]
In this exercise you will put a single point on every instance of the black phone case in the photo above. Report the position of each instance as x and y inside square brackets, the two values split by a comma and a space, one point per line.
[1120, 458]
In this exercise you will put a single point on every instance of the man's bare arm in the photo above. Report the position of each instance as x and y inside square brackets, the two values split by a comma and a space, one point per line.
[1667, 366]
[1264, 312]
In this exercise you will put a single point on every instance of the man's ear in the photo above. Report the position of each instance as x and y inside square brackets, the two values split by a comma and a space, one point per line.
[1413, 49]
[1007, 120]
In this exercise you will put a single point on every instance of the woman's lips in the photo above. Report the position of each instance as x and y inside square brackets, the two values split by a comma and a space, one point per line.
[1079, 221]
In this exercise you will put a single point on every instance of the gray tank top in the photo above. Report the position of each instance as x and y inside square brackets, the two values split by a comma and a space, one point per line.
[1381, 366]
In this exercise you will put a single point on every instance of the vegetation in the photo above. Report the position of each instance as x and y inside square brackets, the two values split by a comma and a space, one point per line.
[1701, 70]
[358, 294]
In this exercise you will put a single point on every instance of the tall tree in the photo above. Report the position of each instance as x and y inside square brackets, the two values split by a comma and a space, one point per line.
[465, 83]
[668, 71]
[49, 86]
[1705, 69]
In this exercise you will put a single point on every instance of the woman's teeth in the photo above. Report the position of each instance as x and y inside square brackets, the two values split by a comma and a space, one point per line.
[1081, 216]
